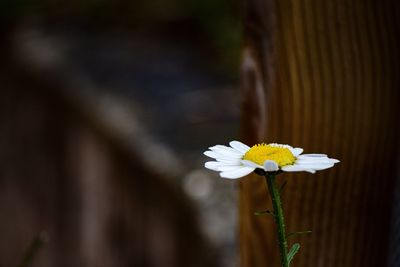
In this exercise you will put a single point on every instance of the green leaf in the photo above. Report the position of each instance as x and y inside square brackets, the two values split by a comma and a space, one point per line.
[299, 233]
[293, 250]
[264, 212]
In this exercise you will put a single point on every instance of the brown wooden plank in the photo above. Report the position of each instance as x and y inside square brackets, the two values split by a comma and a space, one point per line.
[323, 75]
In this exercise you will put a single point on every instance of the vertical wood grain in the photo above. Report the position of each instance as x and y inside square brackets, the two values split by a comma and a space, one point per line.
[323, 75]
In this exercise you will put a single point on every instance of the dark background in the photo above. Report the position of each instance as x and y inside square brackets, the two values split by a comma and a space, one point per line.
[106, 108]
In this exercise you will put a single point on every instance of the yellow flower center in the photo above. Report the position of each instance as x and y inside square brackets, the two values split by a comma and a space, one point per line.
[261, 152]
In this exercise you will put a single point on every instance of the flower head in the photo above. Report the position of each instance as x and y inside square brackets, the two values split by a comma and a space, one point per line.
[238, 159]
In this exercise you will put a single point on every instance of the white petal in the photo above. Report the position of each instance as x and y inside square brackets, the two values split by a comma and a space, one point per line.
[296, 151]
[270, 166]
[323, 159]
[239, 146]
[216, 165]
[249, 163]
[312, 161]
[219, 148]
[212, 154]
[228, 152]
[221, 157]
[323, 167]
[281, 145]
[334, 160]
[316, 166]
[314, 155]
[227, 168]
[308, 167]
[295, 168]
[240, 172]
[229, 161]
[212, 165]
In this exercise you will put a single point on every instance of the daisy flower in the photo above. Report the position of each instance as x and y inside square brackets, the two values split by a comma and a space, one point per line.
[238, 159]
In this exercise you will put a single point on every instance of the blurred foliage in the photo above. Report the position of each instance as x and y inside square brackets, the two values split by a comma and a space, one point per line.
[216, 21]
[9, 8]
[221, 20]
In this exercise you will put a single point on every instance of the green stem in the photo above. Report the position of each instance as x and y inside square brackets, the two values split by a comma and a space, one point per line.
[279, 219]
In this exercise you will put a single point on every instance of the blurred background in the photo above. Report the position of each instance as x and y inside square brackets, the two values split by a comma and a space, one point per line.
[106, 108]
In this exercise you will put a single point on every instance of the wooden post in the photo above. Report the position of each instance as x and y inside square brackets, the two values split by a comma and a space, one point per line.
[323, 75]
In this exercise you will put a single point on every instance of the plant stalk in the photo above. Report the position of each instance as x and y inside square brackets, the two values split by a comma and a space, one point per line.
[279, 218]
